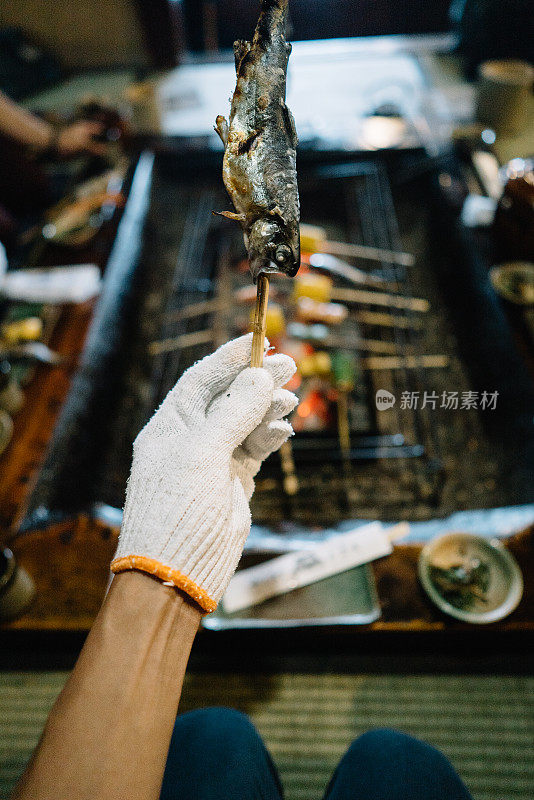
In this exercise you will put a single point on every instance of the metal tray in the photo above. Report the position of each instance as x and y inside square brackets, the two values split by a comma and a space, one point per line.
[349, 598]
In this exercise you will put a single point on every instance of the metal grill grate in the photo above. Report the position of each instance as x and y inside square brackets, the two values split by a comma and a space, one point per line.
[405, 463]
[200, 313]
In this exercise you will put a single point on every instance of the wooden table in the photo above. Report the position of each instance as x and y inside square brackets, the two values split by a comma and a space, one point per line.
[69, 564]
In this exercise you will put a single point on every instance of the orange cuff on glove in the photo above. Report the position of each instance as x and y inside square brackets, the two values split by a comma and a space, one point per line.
[164, 573]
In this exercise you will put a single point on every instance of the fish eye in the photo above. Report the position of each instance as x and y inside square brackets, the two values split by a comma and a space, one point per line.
[283, 254]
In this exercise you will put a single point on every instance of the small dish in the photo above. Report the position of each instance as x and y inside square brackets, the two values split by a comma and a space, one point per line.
[515, 282]
[6, 430]
[470, 578]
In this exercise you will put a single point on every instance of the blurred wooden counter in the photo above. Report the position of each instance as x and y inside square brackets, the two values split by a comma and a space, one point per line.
[69, 564]
[34, 423]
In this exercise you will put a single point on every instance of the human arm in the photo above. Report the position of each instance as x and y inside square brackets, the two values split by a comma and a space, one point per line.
[186, 520]
[21, 125]
[78, 138]
[108, 734]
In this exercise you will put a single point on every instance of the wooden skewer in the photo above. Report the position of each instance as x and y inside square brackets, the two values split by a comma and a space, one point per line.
[158, 347]
[313, 239]
[379, 299]
[398, 531]
[385, 320]
[291, 484]
[369, 345]
[348, 295]
[192, 339]
[260, 321]
[194, 310]
[371, 253]
[408, 362]
[343, 426]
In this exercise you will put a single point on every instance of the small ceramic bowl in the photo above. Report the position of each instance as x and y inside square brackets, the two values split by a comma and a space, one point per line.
[470, 578]
[17, 588]
[515, 282]
[6, 430]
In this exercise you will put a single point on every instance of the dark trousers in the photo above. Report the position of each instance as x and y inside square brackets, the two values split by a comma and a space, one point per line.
[217, 754]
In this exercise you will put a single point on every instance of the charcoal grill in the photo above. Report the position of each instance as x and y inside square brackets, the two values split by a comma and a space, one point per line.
[406, 462]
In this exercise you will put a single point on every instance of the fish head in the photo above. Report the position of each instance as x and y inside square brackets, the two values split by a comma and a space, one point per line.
[273, 246]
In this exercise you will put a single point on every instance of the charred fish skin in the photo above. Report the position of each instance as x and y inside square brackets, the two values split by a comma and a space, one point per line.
[260, 139]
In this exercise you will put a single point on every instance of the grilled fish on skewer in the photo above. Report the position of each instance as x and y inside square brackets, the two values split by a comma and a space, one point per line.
[259, 166]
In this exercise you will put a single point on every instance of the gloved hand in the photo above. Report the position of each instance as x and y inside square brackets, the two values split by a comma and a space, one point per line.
[186, 516]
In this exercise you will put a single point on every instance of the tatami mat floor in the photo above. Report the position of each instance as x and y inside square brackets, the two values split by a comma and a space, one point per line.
[485, 724]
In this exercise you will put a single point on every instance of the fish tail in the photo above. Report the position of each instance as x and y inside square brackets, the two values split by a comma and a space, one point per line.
[271, 23]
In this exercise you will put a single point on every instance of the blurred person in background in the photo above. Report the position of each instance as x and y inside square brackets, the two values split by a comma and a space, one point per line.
[42, 138]
[25, 141]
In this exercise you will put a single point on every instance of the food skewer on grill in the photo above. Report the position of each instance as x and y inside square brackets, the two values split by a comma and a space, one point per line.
[325, 292]
[321, 288]
[405, 362]
[313, 239]
[320, 335]
[33, 352]
[310, 333]
[344, 380]
[385, 320]
[332, 265]
[387, 360]
[287, 462]
[380, 299]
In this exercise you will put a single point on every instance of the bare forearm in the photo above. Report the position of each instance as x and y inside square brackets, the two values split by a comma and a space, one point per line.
[186, 518]
[19, 124]
[109, 732]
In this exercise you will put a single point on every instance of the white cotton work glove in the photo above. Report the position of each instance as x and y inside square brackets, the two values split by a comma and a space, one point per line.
[186, 516]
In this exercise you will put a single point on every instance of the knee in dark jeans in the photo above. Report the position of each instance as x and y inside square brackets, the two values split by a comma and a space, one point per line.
[226, 725]
[389, 743]
[397, 747]
[217, 753]
[390, 765]
[379, 739]
[220, 737]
